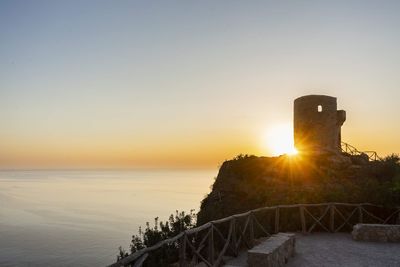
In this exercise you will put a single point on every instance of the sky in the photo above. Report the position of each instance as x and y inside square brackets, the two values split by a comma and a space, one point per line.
[148, 84]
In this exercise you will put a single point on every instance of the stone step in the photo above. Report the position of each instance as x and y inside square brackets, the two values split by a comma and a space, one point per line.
[272, 252]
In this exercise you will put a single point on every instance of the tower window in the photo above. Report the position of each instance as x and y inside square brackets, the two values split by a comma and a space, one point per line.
[319, 108]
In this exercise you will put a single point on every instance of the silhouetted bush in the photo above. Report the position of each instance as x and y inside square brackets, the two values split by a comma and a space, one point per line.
[160, 231]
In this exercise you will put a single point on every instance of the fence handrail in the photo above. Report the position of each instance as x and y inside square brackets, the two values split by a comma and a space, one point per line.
[347, 148]
[332, 206]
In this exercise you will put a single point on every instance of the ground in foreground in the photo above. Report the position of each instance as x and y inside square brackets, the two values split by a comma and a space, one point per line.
[326, 249]
[337, 250]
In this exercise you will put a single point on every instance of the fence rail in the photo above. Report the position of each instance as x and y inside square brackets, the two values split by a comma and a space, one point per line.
[347, 148]
[212, 241]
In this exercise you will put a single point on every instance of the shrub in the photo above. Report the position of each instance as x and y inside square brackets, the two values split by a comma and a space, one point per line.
[160, 231]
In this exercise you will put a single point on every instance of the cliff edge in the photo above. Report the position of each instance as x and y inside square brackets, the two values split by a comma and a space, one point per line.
[248, 182]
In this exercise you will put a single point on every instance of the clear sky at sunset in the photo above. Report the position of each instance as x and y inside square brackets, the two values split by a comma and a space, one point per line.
[188, 83]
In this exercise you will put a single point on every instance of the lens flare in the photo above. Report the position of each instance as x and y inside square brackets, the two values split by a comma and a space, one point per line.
[279, 140]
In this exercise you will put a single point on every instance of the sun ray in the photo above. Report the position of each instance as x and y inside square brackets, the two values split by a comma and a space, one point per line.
[279, 140]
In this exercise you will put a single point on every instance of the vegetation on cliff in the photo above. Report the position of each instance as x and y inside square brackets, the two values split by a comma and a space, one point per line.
[248, 182]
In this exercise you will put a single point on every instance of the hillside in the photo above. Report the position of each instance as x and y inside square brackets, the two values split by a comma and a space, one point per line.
[248, 182]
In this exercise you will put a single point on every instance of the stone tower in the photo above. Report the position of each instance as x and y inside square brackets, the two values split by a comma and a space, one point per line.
[317, 124]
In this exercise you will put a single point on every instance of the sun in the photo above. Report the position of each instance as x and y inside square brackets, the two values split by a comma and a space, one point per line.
[279, 139]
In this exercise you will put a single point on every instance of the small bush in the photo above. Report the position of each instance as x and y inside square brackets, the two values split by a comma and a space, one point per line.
[160, 231]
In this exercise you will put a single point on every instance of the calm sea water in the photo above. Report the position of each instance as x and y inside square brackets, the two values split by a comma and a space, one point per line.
[80, 218]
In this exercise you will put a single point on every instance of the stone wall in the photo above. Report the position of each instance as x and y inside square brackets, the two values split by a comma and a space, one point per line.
[274, 252]
[376, 232]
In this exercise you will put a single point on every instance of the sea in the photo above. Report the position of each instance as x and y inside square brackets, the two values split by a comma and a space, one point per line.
[81, 217]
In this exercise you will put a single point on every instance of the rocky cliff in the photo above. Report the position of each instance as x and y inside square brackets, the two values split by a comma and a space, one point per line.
[248, 182]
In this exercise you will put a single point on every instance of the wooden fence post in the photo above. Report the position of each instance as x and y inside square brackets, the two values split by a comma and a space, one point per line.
[140, 261]
[211, 245]
[332, 218]
[182, 251]
[398, 218]
[234, 240]
[277, 220]
[251, 230]
[303, 219]
[360, 214]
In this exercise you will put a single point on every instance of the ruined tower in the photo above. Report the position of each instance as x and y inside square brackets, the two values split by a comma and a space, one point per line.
[317, 124]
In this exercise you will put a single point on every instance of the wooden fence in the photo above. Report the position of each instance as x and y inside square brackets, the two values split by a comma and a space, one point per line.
[212, 241]
[347, 148]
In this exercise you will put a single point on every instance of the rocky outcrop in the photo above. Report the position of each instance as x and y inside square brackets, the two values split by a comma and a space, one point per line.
[249, 182]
